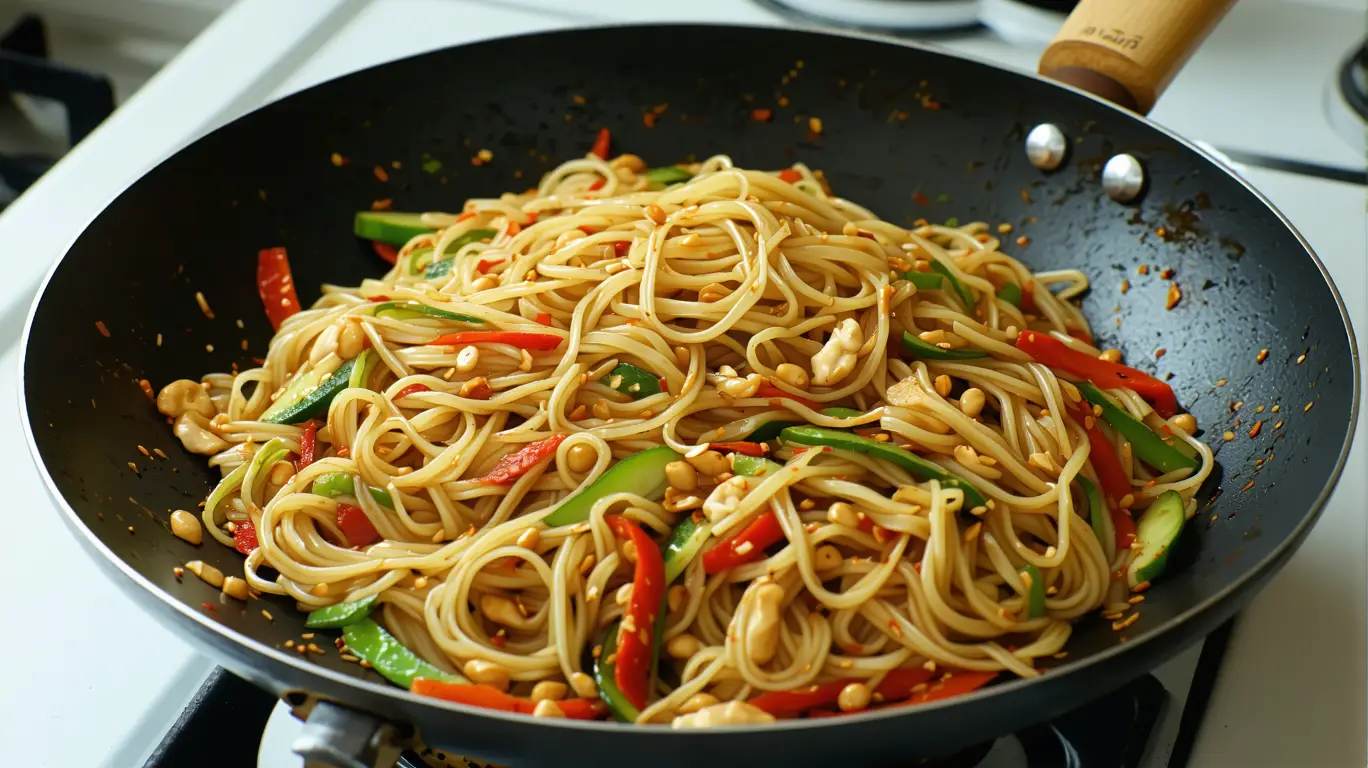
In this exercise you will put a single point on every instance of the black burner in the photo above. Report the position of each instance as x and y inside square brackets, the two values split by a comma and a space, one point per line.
[1354, 81]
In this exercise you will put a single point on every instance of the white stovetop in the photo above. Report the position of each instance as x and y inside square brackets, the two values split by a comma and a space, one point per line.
[1295, 674]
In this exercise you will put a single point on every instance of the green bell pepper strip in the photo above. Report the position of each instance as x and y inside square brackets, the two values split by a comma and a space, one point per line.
[604, 676]
[665, 175]
[369, 641]
[340, 614]
[307, 398]
[1097, 507]
[334, 484]
[1035, 594]
[443, 268]
[390, 227]
[963, 291]
[641, 473]
[405, 310]
[633, 381]
[1010, 293]
[919, 468]
[230, 482]
[927, 351]
[1149, 447]
[925, 281]
[771, 429]
[415, 259]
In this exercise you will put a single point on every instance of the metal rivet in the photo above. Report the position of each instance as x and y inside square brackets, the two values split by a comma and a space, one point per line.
[1046, 146]
[1123, 177]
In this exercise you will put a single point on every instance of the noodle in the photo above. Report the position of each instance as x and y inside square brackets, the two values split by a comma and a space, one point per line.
[719, 287]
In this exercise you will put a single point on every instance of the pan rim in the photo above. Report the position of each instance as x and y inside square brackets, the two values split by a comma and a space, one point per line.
[1262, 569]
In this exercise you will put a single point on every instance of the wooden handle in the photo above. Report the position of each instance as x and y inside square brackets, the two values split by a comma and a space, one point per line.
[1127, 51]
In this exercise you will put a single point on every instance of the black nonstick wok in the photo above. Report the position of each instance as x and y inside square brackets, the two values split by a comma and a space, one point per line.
[909, 132]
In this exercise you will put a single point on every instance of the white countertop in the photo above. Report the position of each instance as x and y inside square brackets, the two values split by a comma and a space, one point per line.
[1295, 674]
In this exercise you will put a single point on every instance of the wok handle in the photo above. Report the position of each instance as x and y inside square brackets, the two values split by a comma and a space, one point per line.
[337, 737]
[1127, 51]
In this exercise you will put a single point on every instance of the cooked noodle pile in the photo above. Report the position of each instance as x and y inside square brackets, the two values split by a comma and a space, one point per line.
[711, 285]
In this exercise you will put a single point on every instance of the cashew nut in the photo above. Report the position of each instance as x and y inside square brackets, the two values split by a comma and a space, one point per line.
[762, 625]
[184, 395]
[837, 357]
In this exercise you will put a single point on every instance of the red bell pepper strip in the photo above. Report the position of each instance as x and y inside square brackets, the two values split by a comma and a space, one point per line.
[1028, 297]
[745, 546]
[747, 448]
[1081, 335]
[244, 537]
[1110, 473]
[355, 525]
[1123, 528]
[1107, 375]
[275, 285]
[959, 683]
[308, 446]
[790, 175]
[896, 686]
[385, 251]
[621, 247]
[488, 697]
[637, 641]
[542, 342]
[515, 465]
[411, 390]
[544, 318]
[768, 390]
[597, 185]
[601, 143]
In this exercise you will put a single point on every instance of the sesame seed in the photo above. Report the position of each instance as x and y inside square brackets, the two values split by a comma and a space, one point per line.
[1308, 407]
[1262, 356]
[267, 615]
[1117, 626]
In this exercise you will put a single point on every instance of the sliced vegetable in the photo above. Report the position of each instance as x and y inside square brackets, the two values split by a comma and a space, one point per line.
[896, 685]
[244, 537]
[747, 545]
[335, 484]
[753, 466]
[925, 281]
[684, 544]
[666, 175]
[488, 697]
[442, 268]
[1035, 591]
[841, 412]
[340, 614]
[641, 473]
[308, 446]
[1148, 446]
[1056, 354]
[541, 342]
[415, 259]
[768, 390]
[602, 142]
[385, 251]
[361, 370]
[389, 227]
[1124, 528]
[1110, 473]
[957, 684]
[1010, 293]
[928, 351]
[355, 525]
[790, 175]
[631, 380]
[639, 641]
[275, 285]
[516, 464]
[605, 675]
[1097, 507]
[965, 294]
[371, 643]
[1158, 529]
[230, 482]
[744, 447]
[411, 389]
[404, 310]
[919, 468]
[307, 397]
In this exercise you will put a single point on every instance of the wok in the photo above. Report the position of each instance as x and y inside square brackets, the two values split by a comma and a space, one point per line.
[907, 131]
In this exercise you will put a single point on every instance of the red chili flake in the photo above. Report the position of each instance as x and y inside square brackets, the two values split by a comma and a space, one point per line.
[209, 606]
[384, 204]
[762, 115]
[381, 173]
[146, 387]
[104, 331]
[544, 318]
[483, 266]
[621, 247]
[597, 185]
[920, 198]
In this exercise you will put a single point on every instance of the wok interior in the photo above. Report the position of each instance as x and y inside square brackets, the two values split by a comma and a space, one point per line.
[905, 132]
